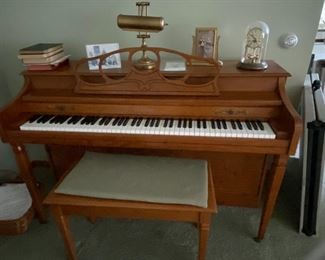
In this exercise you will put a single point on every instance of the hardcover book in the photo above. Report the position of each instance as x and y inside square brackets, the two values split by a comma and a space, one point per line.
[41, 48]
[36, 56]
[43, 60]
[50, 66]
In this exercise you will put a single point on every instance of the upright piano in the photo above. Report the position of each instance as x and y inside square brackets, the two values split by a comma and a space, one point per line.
[241, 121]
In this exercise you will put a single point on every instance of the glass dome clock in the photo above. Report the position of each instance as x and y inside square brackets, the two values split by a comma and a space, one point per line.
[254, 47]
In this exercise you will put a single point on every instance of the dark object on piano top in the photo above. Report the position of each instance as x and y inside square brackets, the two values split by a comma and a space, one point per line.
[40, 48]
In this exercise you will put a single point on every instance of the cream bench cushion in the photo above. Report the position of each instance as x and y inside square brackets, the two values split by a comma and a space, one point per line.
[139, 178]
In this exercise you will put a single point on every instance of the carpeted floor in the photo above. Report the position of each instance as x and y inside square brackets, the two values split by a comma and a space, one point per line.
[231, 236]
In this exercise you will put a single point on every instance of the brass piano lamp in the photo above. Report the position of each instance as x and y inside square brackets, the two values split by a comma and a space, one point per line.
[143, 24]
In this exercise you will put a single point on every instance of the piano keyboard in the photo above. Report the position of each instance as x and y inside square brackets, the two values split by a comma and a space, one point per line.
[150, 126]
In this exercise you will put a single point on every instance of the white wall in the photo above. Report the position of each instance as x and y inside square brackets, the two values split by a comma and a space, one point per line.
[80, 22]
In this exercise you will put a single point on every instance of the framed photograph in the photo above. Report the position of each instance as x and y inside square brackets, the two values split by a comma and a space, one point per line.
[206, 42]
[112, 62]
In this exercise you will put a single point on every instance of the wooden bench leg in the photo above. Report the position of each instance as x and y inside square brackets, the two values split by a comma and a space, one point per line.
[204, 228]
[63, 224]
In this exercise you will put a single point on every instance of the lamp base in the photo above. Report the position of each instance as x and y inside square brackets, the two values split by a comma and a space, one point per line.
[252, 66]
[145, 63]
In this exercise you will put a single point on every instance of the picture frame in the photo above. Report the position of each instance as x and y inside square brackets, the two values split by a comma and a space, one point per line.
[111, 62]
[206, 42]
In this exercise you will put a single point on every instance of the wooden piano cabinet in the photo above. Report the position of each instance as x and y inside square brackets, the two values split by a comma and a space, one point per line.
[238, 178]
[246, 172]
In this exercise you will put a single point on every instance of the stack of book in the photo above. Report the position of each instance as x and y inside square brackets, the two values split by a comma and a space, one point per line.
[43, 56]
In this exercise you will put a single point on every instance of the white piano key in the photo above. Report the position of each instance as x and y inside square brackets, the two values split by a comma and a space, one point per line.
[245, 131]
[182, 129]
[142, 127]
[174, 130]
[206, 130]
[228, 132]
[161, 130]
[269, 133]
[156, 128]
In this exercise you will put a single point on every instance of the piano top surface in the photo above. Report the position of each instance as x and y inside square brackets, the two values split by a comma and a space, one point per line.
[228, 69]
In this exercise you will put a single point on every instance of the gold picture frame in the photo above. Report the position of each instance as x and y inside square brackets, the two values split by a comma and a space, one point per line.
[205, 42]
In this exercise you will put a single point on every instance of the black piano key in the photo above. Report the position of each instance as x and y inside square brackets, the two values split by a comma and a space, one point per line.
[184, 123]
[179, 124]
[71, 120]
[62, 119]
[240, 126]
[83, 120]
[34, 118]
[260, 125]
[77, 120]
[74, 119]
[115, 121]
[166, 123]
[198, 123]
[89, 120]
[107, 120]
[233, 125]
[218, 124]
[157, 122]
[204, 123]
[53, 120]
[125, 122]
[58, 119]
[46, 119]
[248, 124]
[94, 120]
[40, 119]
[224, 124]
[134, 121]
[213, 125]
[139, 121]
[254, 125]
[147, 122]
[152, 122]
[43, 119]
[190, 123]
[120, 122]
[102, 120]
[171, 123]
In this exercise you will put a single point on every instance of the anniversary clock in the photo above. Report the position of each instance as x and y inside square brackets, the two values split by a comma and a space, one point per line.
[254, 47]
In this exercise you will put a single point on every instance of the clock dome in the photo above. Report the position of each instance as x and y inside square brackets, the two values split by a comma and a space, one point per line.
[254, 46]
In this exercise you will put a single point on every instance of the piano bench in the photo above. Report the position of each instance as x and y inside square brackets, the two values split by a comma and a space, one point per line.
[138, 187]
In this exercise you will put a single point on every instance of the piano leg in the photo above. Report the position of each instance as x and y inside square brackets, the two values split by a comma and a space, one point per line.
[27, 176]
[277, 173]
